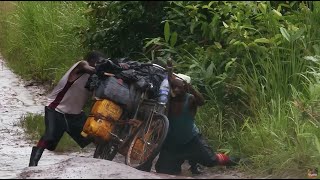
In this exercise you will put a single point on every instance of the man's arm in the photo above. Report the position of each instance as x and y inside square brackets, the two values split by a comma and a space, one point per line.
[170, 68]
[84, 67]
[198, 98]
[195, 100]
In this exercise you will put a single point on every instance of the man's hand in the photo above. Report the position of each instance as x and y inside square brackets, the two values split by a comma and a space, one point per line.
[109, 74]
[170, 69]
[124, 65]
[169, 63]
[185, 84]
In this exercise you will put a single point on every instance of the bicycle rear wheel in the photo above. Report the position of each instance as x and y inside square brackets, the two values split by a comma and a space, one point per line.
[146, 144]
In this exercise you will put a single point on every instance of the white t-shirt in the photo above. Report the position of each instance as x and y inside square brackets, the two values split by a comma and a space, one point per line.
[69, 97]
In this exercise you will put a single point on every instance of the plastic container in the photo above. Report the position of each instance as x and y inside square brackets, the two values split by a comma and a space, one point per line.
[164, 91]
[101, 127]
[106, 108]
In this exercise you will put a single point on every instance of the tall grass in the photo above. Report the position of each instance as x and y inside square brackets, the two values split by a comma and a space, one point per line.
[283, 136]
[283, 142]
[40, 40]
[6, 7]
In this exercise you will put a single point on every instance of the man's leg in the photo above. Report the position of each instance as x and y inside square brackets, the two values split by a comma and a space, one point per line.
[35, 156]
[54, 129]
[168, 162]
[75, 126]
[202, 153]
[194, 167]
[146, 167]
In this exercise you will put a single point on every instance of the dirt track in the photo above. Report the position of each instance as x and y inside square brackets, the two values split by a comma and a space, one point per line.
[16, 99]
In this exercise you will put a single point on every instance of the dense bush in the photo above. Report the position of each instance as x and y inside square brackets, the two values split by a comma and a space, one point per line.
[238, 52]
[118, 28]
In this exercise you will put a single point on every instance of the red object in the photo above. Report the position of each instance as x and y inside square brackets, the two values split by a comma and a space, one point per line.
[222, 159]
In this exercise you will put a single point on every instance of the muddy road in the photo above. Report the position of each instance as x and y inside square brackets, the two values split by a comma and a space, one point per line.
[17, 98]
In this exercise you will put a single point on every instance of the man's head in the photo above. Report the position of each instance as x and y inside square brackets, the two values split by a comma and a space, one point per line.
[93, 57]
[177, 87]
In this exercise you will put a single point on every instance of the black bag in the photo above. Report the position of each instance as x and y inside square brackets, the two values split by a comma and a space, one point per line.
[115, 90]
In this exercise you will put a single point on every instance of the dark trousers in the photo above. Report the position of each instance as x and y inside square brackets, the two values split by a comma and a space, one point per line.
[57, 123]
[171, 156]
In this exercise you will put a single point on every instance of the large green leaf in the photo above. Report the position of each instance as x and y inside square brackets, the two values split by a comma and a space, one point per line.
[155, 40]
[193, 25]
[297, 34]
[218, 45]
[224, 24]
[173, 39]
[166, 32]
[209, 71]
[208, 6]
[262, 40]
[285, 34]
[228, 65]
[277, 13]
[312, 58]
[263, 8]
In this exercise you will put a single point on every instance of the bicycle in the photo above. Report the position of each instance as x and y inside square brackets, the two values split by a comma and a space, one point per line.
[139, 139]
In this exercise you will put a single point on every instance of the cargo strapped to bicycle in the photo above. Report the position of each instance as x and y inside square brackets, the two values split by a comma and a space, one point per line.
[113, 89]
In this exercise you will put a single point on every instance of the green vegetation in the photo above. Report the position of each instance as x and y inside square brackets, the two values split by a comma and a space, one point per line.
[257, 63]
[118, 28]
[40, 41]
[33, 124]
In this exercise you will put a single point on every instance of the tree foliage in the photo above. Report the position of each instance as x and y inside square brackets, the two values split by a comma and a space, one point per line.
[118, 28]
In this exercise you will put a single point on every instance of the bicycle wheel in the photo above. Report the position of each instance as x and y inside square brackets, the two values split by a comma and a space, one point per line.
[105, 151]
[146, 144]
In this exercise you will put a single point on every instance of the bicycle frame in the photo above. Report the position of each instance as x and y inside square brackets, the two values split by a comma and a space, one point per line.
[137, 124]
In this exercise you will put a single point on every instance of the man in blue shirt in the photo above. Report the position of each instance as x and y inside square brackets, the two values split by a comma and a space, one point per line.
[184, 141]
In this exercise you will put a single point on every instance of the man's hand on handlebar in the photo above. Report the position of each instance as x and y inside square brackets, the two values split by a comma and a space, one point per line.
[124, 65]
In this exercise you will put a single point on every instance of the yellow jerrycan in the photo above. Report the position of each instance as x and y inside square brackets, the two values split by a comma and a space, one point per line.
[100, 121]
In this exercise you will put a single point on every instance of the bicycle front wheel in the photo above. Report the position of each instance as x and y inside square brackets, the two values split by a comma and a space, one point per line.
[146, 144]
[105, 151]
